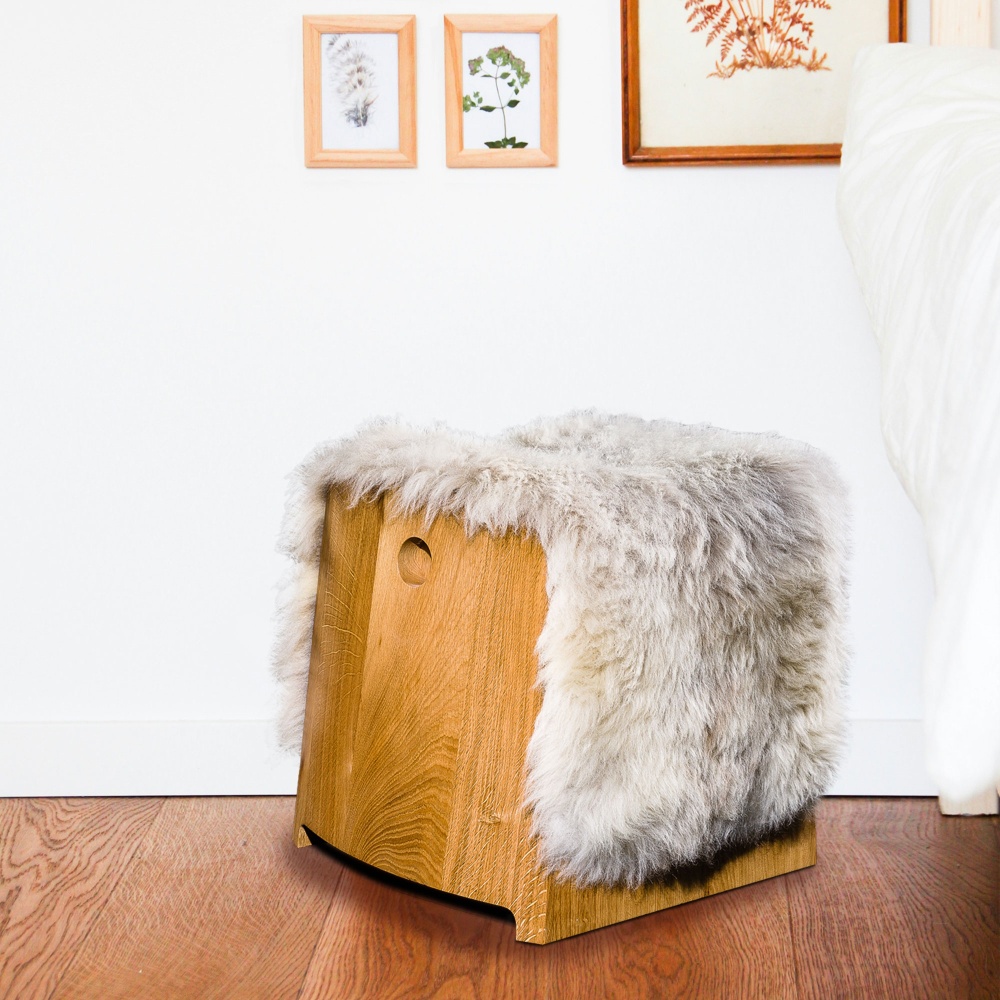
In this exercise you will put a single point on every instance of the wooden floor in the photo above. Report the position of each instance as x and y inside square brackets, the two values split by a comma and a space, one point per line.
[162, 898]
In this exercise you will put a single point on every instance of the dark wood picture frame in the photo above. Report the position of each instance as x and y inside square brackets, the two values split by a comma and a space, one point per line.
[635, 153]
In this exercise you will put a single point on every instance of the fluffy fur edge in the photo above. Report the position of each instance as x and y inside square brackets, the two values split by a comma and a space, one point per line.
[693, 659]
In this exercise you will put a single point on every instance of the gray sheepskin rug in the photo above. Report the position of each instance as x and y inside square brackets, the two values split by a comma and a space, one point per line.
[693, 659]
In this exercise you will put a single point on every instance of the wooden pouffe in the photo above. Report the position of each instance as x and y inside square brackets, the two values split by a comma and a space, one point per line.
[420, 705]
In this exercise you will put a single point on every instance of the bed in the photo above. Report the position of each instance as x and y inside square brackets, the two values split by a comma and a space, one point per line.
[919, 207]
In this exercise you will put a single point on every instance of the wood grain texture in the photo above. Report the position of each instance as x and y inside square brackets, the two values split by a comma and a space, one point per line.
[421, 705]
[734, 945]
[412, 703]
[390, 941]
[340, 639]
[546, 154]
[54, 880]
[904, 903]
[423, 720]
[215, 893]
[961, 22]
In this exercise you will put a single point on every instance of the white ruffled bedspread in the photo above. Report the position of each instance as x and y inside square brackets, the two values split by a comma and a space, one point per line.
[919, 206]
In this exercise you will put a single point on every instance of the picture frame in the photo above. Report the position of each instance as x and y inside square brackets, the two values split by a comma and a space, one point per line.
[359, 84]
[515, 61]
[743, 81]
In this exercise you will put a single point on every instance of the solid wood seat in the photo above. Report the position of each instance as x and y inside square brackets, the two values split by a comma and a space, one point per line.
[420, 705]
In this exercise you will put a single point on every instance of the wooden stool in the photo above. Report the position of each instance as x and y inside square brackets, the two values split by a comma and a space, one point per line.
[421, 702]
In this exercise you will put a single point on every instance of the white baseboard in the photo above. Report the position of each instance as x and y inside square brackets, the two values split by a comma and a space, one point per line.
[143, 758]
[884, 757]
[240, 758]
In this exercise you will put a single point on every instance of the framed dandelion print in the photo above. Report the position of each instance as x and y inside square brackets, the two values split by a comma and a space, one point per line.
[360, 91]
[501, 90]
[743, 81]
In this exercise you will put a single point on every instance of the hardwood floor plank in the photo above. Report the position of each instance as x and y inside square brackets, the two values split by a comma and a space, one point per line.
[201, 898]
[903, 903]
[733, 945]
[384, 940]
[381, 939]
[217, 903]
[60, 860]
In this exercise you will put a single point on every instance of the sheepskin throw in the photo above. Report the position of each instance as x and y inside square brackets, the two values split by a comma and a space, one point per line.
[692, 661]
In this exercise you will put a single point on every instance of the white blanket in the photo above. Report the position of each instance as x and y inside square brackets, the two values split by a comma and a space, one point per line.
[919, 205]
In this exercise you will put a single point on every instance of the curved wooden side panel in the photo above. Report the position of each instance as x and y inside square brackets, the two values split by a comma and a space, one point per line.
[567, 909]
[421, 702]
[336, 669]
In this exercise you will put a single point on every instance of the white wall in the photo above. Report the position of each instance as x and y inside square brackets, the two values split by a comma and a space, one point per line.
[185, 310]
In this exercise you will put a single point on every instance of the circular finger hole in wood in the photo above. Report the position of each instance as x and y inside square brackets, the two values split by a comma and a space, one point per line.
[414, 561]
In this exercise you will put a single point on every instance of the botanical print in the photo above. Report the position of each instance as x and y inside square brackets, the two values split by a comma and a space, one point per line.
[501, 96]
[504, 68]
[693, 97]
[760, 34]
[360, 90]
[352, 72]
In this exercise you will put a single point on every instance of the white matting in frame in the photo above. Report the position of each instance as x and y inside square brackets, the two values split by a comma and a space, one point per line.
[501, 90]
[359, 77]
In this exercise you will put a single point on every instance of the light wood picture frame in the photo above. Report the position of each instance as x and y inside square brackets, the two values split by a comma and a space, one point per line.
[359, 81]
[488, 70]
[743, 81]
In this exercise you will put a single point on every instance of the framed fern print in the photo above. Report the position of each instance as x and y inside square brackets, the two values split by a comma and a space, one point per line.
[360, 91]
[743, 81]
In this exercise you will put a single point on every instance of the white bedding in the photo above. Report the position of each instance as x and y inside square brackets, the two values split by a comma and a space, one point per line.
[919, 205]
